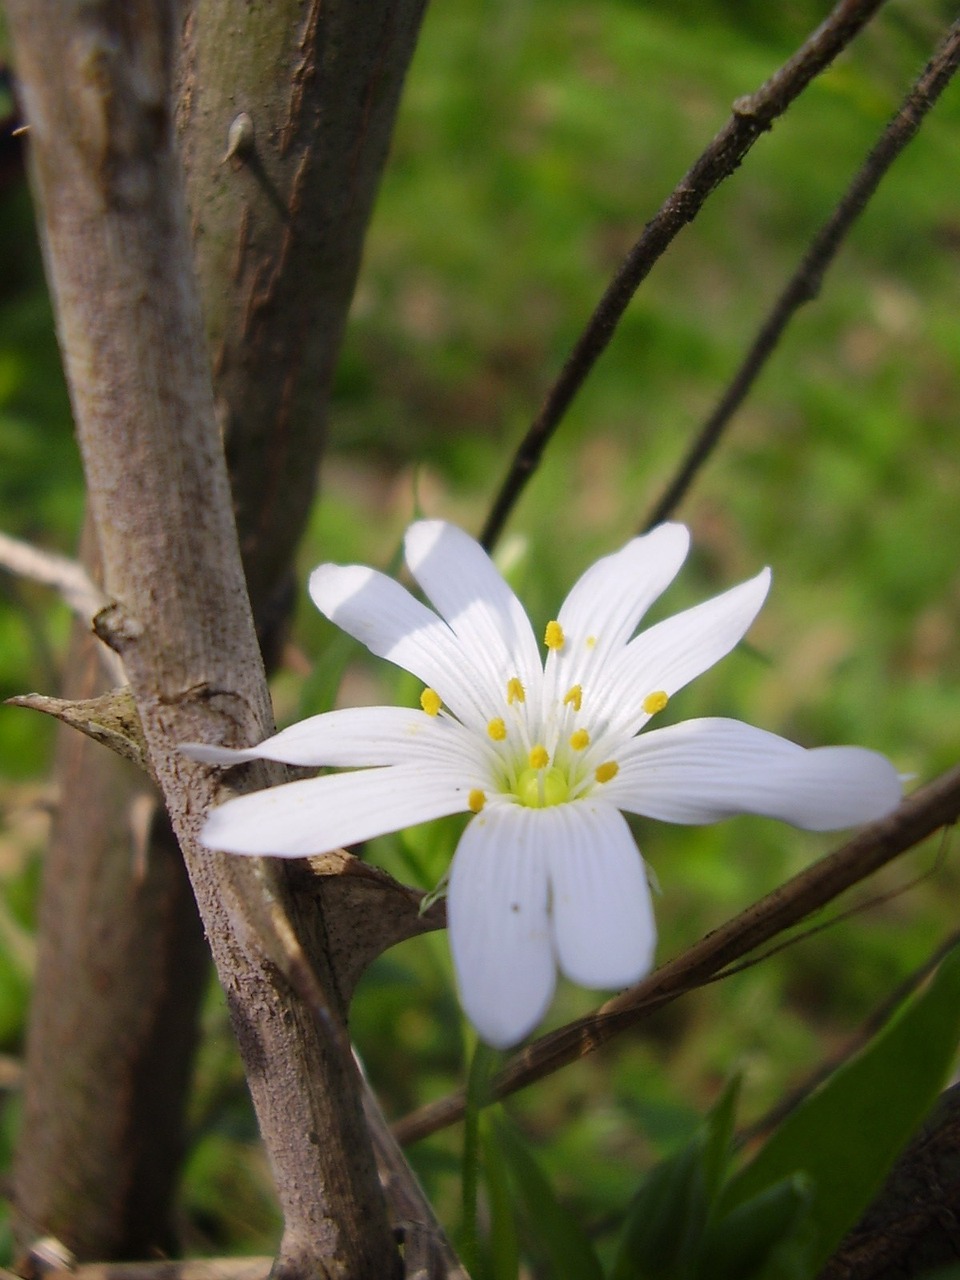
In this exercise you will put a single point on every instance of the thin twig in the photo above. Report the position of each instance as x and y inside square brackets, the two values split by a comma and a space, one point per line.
[878, 1018]
[68, 578]
[927, 810]
[806, 283]
[752, 116]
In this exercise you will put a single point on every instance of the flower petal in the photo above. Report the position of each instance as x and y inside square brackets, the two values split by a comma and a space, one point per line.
[385, 617]
[317, 815]
[603, 925]
[498, 923]
[705, 770]
[606, 604]
[354, 736]
[675, 651]
[468, 591]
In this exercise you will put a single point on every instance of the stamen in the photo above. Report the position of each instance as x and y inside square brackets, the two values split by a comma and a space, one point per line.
[609, 769]
[591, 642]
[476, 800]
[431, 702]
[654, 702]
[515, 691]
[539, 757]
[553, 636]
[573, 697]
[579, 739]
[497, 729]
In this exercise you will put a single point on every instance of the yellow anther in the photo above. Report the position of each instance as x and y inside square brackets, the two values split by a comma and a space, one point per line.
[609, 769]
[573, 697]
[539, 757]
[579, 739]
[515, 691]
[591, 642]
[553, 636]
[430, 701]
[655, 702]
[476, 800]
[497, 729]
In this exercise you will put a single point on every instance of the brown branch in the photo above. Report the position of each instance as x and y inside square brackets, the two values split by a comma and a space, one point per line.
[752, 116]
[927, 810]
[865, 1033]
[807, 281]
[911, 1228]
[278, 209]
[67, 577]
[96, 79]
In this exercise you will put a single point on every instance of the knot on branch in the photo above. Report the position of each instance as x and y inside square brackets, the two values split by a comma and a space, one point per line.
[117, 628]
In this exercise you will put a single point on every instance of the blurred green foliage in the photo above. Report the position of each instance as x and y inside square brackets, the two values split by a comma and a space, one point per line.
[535, 139]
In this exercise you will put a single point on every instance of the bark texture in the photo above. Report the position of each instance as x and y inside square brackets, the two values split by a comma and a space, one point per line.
[95, 82]
[277, 228]
[284, 122]
[121, 966]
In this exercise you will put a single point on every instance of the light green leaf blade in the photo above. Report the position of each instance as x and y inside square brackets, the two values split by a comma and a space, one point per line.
[846, 1135]
[571, 1254]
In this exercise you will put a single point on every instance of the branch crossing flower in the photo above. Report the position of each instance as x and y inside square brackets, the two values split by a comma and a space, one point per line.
[545, 750]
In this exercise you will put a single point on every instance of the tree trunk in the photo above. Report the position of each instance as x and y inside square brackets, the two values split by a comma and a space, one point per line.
[96, 97]
[278, 230]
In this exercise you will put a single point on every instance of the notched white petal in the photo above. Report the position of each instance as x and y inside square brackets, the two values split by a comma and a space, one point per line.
[705, 770]
[610, 598]
[468, 591]
[603, 924]
[385, 617]
[498, 924]
[354, 736]
[318, 815]
[673, 652]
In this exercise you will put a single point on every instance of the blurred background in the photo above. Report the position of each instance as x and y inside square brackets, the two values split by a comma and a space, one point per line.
[535, 139]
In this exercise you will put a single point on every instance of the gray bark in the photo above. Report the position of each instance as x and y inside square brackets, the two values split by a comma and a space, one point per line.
[277, 232]
[96, 95]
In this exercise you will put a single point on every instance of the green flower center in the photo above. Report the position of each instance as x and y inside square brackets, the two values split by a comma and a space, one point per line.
[538, 788]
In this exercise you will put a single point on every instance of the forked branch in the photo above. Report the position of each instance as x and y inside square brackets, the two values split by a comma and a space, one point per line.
[752, 116]
[926, 811]
[806, 282]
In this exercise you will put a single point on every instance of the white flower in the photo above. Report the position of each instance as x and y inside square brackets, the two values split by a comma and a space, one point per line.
[545, 755]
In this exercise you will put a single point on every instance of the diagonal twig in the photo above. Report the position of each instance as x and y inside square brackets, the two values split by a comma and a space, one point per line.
[926, 811]
[805, 284]
[752, 115]
[67, 577]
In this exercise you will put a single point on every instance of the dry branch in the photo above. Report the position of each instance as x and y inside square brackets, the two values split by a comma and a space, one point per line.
[807, 281]
[752, 115]
[95, 87]
[926, 811]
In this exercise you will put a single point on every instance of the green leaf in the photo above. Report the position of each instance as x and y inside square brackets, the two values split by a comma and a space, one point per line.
[504, 1244]
[664, 1228]
[739, 1245]
[847, 1134]
[718, 1147]
[567, 1245]
[478, 1080]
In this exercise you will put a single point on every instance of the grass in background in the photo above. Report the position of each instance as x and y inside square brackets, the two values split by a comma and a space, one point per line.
[535, 139]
